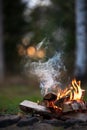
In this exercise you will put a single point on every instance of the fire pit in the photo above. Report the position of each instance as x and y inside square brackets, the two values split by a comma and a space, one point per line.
[61, 105]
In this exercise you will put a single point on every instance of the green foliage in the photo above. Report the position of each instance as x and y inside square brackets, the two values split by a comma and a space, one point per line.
[45, 20]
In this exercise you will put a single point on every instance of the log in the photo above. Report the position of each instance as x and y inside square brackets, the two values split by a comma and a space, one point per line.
[67, 107]
[50, 97]
[34, 108]
[60, 102]
[74, 106]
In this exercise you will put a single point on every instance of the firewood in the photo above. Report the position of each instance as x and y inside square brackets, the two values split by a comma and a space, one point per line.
[74, 106]
[50, 97]
[59, 102]
[66, 107]
[83, 105]
[32, 106]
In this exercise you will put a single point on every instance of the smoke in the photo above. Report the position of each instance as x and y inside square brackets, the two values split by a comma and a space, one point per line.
[48, 72]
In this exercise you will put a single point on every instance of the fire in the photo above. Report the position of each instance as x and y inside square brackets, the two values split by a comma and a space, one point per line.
[76, 91]
[69, 99]
[73, 92]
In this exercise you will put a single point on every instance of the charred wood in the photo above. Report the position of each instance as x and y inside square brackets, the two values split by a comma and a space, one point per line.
[50, 97]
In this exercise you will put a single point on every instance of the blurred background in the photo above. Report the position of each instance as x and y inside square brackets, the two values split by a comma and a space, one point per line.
[24, 24]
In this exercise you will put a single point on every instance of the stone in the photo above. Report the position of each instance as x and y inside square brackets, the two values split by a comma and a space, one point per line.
[27, 121]
[54, 122]
[8, 120]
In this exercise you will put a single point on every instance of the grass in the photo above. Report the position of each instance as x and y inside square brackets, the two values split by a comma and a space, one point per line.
[12, 95]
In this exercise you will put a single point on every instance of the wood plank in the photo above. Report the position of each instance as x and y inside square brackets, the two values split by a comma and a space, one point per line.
[29, 106]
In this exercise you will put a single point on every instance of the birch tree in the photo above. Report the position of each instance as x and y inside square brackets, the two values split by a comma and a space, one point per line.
[1, 43]
[80, 62]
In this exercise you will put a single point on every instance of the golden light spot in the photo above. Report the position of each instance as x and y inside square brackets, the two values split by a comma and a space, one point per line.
[40, 53]
[31, 51]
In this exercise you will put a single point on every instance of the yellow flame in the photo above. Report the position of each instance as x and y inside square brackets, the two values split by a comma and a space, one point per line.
[74, 91]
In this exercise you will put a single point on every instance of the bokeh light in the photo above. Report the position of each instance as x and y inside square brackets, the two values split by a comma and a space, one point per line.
[40, 53]
[31, 51]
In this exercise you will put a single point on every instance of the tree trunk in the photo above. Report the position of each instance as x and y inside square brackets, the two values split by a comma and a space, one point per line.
[80, 62]
[1, 44]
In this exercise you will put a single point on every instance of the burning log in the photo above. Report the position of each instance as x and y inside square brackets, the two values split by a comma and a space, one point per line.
[59, 102]
[74, 106]
[68, 100]
[32, 107]
[50, 97]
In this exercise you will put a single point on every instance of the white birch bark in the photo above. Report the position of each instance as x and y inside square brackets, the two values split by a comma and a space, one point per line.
[1, 43]
[80, 62]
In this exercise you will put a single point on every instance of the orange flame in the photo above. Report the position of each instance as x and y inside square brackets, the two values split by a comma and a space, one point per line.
[74, 91]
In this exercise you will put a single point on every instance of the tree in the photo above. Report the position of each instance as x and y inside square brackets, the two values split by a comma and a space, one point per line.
[81, 52]
[14, 28]
[45, 20]
[58, 14]
[1, 43]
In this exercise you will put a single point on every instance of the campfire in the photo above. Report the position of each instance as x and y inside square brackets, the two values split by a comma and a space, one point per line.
[71, 98]
[65, 101]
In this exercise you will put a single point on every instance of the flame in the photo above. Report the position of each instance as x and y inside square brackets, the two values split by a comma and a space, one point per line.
[74, 91]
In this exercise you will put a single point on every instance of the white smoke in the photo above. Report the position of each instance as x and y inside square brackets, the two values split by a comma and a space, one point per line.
[48, 73]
